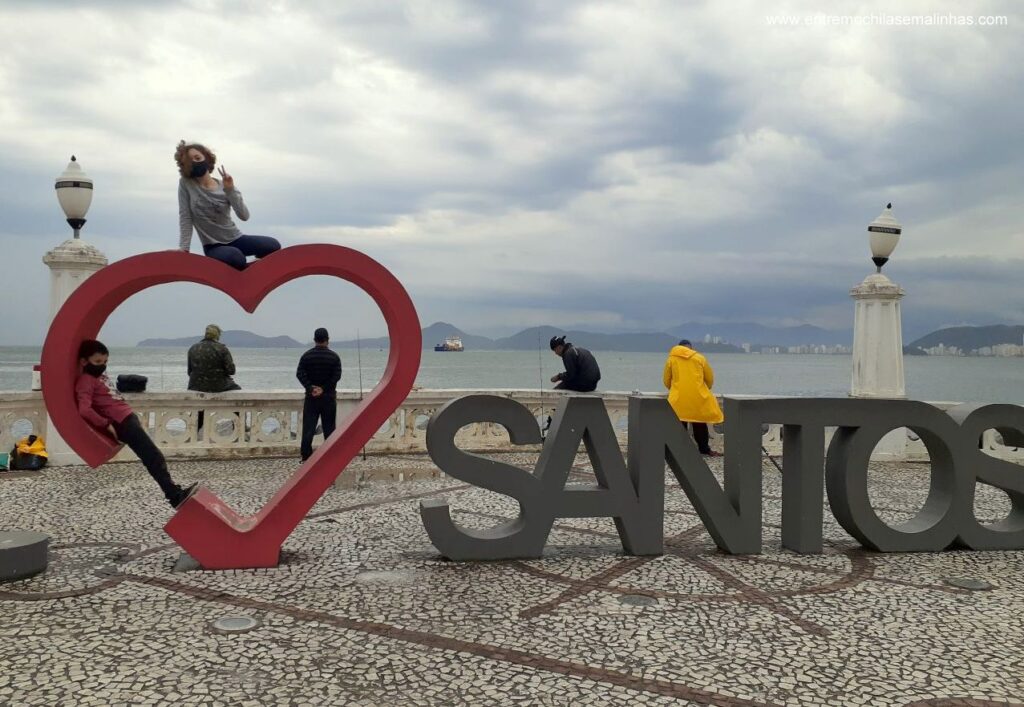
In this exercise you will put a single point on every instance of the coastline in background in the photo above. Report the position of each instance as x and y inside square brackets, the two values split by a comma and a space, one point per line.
[928, 377]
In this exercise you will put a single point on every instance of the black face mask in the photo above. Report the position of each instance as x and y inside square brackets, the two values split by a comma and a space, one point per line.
[199, 169]
[93, 370]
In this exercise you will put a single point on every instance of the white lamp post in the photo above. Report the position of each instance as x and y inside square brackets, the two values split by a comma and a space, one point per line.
[878, 332]
[885, 234]
[74, 192]
[70, 263]
[877, 327]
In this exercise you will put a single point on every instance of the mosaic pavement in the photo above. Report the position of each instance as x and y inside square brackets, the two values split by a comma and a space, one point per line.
[363, 611]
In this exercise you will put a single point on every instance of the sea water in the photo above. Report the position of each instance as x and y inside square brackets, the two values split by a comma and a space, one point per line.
[931, 378]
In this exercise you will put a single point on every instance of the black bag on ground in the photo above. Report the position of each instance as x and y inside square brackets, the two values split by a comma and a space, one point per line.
[131, 383]
[29, 454]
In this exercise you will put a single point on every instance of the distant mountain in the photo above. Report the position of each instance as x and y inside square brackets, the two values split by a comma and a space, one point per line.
[231, 338]
[969, 338]
[530, 339]
[432, 335]
[758, 334]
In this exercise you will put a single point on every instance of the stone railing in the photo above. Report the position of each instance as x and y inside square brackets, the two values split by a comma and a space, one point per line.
[269, 423]
[21, 414]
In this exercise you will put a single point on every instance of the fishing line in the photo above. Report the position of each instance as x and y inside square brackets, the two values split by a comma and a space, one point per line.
[540, 384]
[359, 365]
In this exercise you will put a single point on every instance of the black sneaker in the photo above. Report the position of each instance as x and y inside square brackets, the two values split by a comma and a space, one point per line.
[184, 495]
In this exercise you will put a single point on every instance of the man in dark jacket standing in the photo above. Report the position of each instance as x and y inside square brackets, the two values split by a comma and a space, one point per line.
[581, 370]
[319, 372]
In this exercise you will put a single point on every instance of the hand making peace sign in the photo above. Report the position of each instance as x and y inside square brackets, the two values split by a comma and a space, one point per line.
[229, 181]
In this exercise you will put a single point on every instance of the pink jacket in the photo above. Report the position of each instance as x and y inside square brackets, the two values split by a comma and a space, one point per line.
[97, 403]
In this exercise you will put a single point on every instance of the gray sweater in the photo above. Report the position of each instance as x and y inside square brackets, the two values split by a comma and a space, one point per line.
[209, 212]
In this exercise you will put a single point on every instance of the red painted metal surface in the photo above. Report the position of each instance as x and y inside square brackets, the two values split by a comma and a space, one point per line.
[204, 526]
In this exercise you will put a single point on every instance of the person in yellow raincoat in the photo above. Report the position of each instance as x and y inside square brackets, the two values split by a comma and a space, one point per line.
[689, 377]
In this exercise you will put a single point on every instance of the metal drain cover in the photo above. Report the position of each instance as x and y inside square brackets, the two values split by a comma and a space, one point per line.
[235, 624]
[975, 585]
[637, 600]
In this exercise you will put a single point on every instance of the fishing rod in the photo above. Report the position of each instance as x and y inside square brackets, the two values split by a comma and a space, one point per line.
[359, 365]
[771, 458]
[764, 450]
[540, 387]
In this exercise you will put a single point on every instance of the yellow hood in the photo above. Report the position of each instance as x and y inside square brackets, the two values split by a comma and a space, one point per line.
[682, 352]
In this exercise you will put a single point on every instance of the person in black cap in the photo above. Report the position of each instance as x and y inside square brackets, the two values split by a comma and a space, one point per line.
[581, 370]
[319, 372]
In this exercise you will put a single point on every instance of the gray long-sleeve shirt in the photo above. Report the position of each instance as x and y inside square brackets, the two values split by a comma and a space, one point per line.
[209, 212]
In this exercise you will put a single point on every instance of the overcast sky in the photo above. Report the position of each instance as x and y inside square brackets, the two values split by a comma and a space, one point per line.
[600, 165]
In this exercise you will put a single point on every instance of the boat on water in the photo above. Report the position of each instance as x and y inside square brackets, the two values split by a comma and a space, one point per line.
[452, 343]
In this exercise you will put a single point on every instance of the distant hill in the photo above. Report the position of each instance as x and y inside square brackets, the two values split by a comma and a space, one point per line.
[432, 335]
[530, 339]
[969, 338]
[758, 334]
[231, 338]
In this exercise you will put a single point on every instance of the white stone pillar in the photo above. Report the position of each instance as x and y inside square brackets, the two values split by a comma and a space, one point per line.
[877, 339]
[70, 264]
[878, 351]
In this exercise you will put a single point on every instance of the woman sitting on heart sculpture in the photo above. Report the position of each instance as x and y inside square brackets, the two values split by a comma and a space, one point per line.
[205, 203]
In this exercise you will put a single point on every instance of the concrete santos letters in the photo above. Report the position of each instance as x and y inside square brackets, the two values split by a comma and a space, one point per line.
[632, 491]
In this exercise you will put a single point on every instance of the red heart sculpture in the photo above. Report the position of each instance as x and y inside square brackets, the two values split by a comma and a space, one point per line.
[204, 526]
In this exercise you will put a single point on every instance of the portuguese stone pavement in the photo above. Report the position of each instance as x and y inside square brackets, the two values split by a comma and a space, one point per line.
[362, 610]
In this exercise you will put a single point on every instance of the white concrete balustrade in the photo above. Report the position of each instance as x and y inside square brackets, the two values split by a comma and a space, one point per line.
[269, 423]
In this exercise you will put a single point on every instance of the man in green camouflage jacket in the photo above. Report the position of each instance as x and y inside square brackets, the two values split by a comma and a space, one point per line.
[210, 365]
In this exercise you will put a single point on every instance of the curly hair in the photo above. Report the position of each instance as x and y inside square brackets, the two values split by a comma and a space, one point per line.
[185, 164]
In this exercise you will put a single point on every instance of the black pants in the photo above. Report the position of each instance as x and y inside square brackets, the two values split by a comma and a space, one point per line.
[130, 431]
[324, 408]
[701, 436]
[584, 388]
[202, 416]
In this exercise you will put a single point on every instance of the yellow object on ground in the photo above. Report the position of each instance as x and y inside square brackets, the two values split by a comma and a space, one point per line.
[32, 445]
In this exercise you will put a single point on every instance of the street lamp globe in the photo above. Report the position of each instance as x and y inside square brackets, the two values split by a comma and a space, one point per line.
[74, 192]
[885, 234]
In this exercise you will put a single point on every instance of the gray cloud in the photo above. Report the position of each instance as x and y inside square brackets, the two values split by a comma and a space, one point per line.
[579, 163]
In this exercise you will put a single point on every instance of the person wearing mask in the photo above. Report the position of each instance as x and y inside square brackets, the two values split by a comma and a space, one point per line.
[581, 370]
[689, 377]
[319, 372]
[105, 409]
[205, 204]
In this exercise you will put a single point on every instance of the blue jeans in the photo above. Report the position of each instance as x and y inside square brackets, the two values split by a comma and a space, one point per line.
[235, 252]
